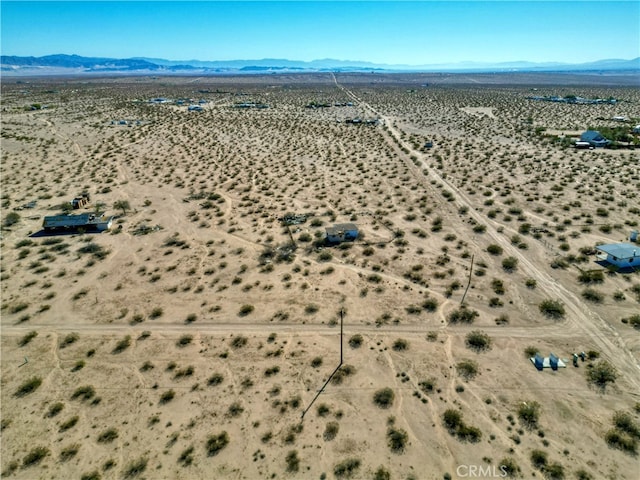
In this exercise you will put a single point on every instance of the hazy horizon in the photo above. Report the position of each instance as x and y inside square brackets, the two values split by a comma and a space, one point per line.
[391, 33]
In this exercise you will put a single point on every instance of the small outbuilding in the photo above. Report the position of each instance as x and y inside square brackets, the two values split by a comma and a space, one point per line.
[342, 232]
[622, 255]
[594, 138]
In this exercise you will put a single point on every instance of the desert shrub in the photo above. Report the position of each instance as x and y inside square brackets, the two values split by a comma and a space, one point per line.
[356, 341]
[467, 369]
[621, 441]
[384, 397]
[478, 341]
[192, 317]
[494, 249]
[554, 471]
[167, 396]
[538, 459]
[467, 433]
[10, 219]
[452, 419]
[29, 386]
[330, 431]
[428, 385]
[397, 440]
[216, 443]
[64, 426]
[239, 341]
[311, 309]
[293, 461]
[509, 264]
[186, 457]
[246, 310]
[69, 339]
[529, 413]
[316, 362]
[184, 340]
[84, 392]
[215, 379]
[35, 456]
[509, 467]
[55, 409]
[430, 304]
[27, 338]
[347, 468]
[69, 452]
[592, 295]
[400, 344]
[122, 345]
[323, 410]
[463, 315]
[135, 468]
[235, 409]
[382, 474]
[108, 436]
[600, 374]
[552, 308]
[591, 277]
[582, 474]
[94, 475]
[156, 313]
[624, 422]
[325, 256]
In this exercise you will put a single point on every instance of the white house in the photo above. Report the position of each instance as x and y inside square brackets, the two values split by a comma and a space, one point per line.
[622, 255]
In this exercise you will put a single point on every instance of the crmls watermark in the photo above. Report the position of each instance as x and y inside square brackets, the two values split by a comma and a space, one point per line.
[481, 471]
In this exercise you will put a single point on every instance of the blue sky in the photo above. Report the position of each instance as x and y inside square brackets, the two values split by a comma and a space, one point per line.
[399, 32]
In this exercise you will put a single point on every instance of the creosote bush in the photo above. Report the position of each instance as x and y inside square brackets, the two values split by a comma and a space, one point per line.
[478, 341]
[552, 308]
[600, 374]
[383, 398]
[216, 443]
[29, 386]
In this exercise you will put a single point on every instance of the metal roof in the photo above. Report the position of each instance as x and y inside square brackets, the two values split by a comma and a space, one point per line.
[620, 250]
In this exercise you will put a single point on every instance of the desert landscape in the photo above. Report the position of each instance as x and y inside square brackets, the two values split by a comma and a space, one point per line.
[191, 339]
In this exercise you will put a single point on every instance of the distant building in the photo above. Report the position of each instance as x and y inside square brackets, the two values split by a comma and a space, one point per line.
[195, 108]
[622, 255]
[87, 222]
[342, 232]
[81, 201]
[595, 138]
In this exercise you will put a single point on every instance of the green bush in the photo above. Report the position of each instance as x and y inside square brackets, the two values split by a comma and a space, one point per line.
[29, 386]
[600, 374]
[510, 264]
[347, 468]
[35, 456]
[467, 369]
[135, 468]
[463, 315]
[293, 461]
[529, 413]
[552, 308]
[383, 398]
[108, 436]
[592, 295]
[356, 341]
[397, 440]
[478, 341]
[216, 443]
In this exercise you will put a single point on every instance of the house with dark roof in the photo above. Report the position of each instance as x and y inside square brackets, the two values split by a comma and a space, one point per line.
[594, 138]
[342, 232]
[621, 255]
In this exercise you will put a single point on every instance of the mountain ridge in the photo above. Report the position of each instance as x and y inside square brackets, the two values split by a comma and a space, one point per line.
[71, 63]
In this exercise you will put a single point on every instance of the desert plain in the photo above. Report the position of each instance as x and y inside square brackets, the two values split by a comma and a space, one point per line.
[191, 339]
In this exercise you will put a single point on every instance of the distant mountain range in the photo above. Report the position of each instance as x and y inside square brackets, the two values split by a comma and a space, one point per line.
[75, 64]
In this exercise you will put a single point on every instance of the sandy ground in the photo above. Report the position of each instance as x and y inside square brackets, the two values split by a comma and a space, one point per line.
[194, 316]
